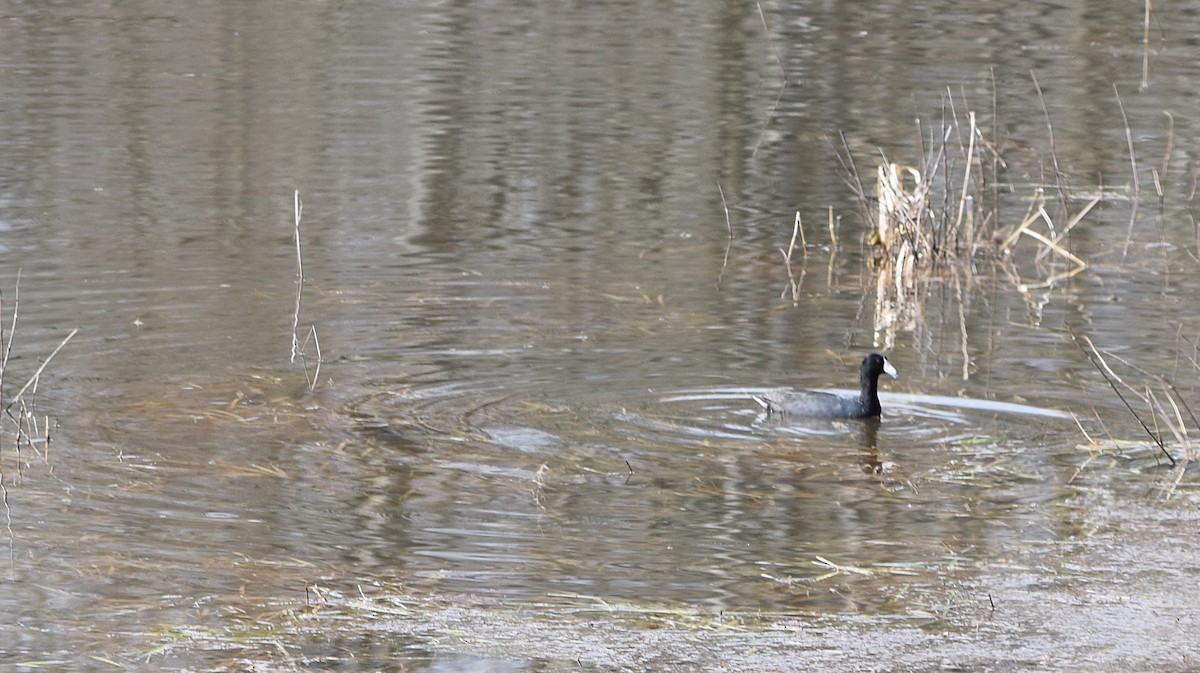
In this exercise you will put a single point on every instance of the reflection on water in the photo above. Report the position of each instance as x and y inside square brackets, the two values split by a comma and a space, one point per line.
[540, 339]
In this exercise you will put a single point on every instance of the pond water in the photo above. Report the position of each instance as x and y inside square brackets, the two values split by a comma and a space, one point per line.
[539, 335]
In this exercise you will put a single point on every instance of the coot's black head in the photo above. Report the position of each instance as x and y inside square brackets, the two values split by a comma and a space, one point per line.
[868, 377]
[872, 366]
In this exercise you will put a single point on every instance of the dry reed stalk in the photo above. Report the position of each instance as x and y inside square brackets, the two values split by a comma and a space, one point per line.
[728, 224]
[1170, 142]
[1145, 84]
[966, 182]
[728, 241]
[1162, 380]
[793, 285]
[7, 346]
[299, 350]
[901, 210]
[298, 209]
[1137, 184]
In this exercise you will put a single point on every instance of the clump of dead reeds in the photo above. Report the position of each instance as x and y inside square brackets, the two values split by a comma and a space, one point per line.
[936, 219]
[947, 208]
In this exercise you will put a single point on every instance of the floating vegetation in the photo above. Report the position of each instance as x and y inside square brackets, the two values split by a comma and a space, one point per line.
[585, 630]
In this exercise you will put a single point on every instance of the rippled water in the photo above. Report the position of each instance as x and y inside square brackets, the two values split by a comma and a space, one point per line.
[539, 340]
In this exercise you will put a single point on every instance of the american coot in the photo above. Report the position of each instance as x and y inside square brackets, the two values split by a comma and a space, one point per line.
[816, 404]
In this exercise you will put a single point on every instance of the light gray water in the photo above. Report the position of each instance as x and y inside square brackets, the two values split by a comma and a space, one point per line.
[538, 339]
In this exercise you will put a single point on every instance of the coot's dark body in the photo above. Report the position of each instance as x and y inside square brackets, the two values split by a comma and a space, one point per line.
[816, 404]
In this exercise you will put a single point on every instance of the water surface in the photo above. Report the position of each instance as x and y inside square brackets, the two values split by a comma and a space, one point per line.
[539, 339]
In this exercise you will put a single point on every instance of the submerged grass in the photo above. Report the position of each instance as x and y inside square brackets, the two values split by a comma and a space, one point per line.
[584, 631]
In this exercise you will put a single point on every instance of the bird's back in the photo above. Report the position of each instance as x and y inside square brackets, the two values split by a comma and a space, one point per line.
[813, 403]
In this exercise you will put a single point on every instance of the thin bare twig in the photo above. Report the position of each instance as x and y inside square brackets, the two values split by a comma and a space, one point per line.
[771, 43]
[1137, 184]
[782, 88]
[1058, 174]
